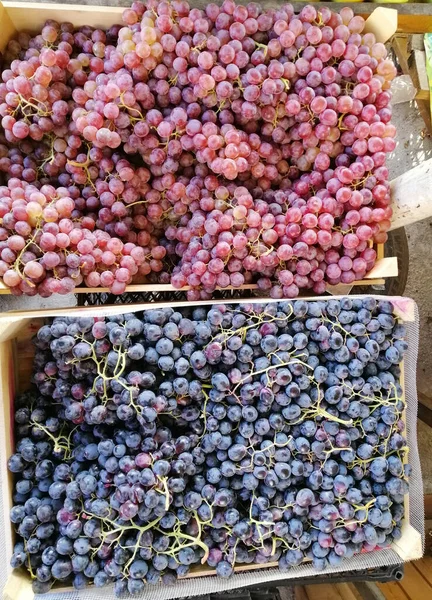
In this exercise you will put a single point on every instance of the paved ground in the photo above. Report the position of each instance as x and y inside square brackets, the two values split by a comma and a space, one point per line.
[412, 149]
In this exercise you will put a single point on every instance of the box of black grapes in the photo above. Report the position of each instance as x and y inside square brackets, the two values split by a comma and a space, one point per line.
[173, 449]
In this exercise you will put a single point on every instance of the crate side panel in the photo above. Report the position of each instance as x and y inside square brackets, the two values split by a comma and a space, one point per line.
[7, 394]
[31, 17]
[7, 28]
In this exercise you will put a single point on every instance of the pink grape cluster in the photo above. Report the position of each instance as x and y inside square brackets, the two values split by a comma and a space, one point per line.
[44, 250]
[202, 148]
[281, 240]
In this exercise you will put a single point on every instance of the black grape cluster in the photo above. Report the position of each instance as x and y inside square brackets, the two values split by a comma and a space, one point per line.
[223, 435]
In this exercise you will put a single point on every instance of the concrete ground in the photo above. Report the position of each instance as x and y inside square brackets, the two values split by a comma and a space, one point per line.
[413, 148]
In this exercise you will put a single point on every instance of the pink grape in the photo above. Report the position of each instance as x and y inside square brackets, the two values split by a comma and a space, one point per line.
[11, 278]
[34, 270]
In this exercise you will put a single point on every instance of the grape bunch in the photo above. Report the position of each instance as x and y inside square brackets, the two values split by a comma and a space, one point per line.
[265, 433]
[202, 148]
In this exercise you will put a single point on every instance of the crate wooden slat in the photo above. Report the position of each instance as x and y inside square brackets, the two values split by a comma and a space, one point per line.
[384, 267]
[414, 584]
[300, 593]
[392, 591]
[412, 17]
[322, 591]
[424, 567]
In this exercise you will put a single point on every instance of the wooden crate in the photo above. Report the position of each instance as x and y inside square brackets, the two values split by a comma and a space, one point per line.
[16, 355]
[21, 16]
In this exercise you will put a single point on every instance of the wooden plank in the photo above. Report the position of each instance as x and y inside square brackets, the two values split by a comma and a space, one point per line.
[412, 18]
[424, 399]
[393, 591]
[137, 287]
[354, 591]
[424, 567]
[147, 288]
[380, 251]
[424, 413]
[428, 537]
[25, 350]
[18, 587]
[400, 47]
[414, 585]
[415, 23]
[428, 506]
[12, 318]
[300, 593]
[383, 23]
[422, 95]
[7, 395]
[336, 591]
[384, 267]
[31, 17]
[370, 591]
[346, 591]
[323, 591]
[8, 31]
